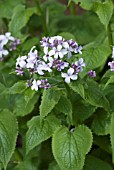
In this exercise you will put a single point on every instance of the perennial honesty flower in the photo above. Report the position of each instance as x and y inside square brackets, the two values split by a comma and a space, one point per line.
[57, 52]
[69, 75]
[7, 43]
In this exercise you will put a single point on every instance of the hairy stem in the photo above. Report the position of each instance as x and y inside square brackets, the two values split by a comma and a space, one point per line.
[42, 17]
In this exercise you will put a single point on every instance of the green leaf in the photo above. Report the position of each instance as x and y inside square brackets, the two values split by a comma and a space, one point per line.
[93, 163]
[18, 88]
[86, 4]
[22, 105]
[40, 131]
[29, 43]
[94, 57]
[69, 148]
[103, 142]
[23, 16]
[7, 6]
[78, 26]
[67, 35]
[111, 80]
[49, 99]
[8, 135]
[104, 11]
[64, 105]
[95, 96]
[81, 109]
[112, 136]
[109, 93]
[101, 123]
[54, 166]
[77, 86]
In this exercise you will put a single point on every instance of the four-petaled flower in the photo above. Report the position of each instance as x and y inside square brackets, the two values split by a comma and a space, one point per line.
[35, 85]
[69, 75]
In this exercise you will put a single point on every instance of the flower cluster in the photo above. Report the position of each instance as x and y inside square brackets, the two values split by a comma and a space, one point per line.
[7, 42]
[111, 64]
[57, 51]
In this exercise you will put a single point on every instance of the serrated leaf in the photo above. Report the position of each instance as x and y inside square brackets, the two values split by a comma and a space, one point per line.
[22, 105]
[23, 16]
[93, 163]
[8, 135]
[49, 99]
[69, 148]
[94, 57]
[40, 131]
[112, 136]
[77, 86]
[104, 11]
[109, 93]
[18, 87]
[95, 96]
[101, 122]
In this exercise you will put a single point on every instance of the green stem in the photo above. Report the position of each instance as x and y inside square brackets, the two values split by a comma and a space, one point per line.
[42, 17]
[109, 33]
[72, 8]
[18, 156]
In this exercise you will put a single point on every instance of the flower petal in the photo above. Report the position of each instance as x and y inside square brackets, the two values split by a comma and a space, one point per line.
[67, 79]
[74, 77]
[70, 71]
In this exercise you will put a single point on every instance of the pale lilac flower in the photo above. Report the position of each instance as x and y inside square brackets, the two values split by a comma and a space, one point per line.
[69, 75]
[3, 52]
[21, 61]
[111, 64]
[92, 73]
[35, 84]
[79, 64]
[42, 67]
[57, 52]
[5, 38]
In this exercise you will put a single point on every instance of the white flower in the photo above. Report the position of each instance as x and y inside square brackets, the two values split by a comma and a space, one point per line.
[21, 61]
[3, 52]
[35, 85]
[80, 63]
[43, 67]
[5, 38]
[51, 40]
[69, 75]
[113, 52]
[57, 52]
[68, 49]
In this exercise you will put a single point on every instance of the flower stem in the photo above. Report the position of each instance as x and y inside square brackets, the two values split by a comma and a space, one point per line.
[109, 33]
[18, 155]
[72, 8]
[42, 17]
